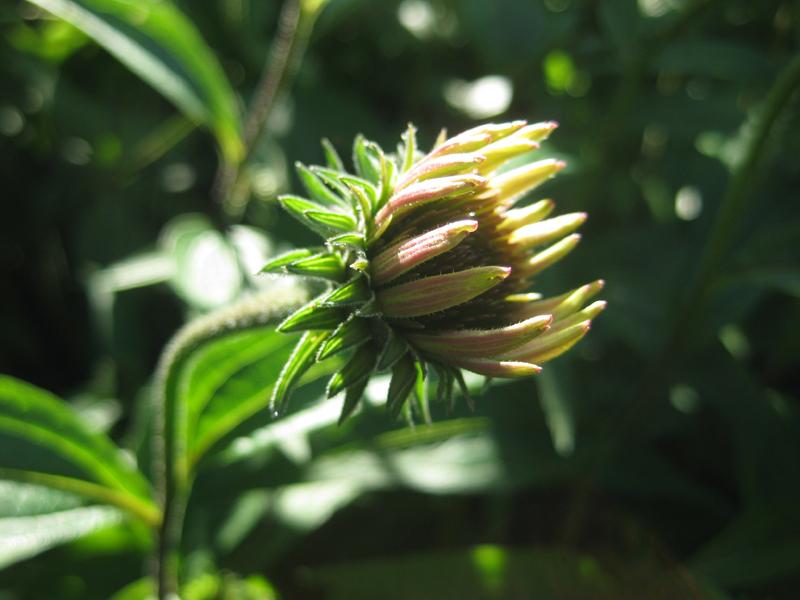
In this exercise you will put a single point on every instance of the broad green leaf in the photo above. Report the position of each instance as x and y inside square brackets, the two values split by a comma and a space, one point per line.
[46, 443]
[158, 43]
[207, 274]
[23, 537]
[215, 365]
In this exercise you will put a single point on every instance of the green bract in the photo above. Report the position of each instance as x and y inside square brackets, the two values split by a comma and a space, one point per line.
[428, 263]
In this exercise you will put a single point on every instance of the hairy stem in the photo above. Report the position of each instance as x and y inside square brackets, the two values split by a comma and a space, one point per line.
[171, 464]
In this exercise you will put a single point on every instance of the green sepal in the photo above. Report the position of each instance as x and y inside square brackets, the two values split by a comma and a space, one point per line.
[317, 189]
[359, 367]
[330, 222]
[312, 316]
[325, 265]
[299, 361]
[351, 239]
[333, 179]
[352, 398]
[300, 207]
[393, 350]
[462, 385]
[366, 158]
[444, 385]
[366, 193]
[355, 291]
[404, 378]
[332, 158]
[388, 172]
[277, 264]
[422, 404]
[352, 332]
[370, 308]
[409, 153]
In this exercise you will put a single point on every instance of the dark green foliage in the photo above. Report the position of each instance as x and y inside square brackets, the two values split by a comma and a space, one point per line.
[660, 458]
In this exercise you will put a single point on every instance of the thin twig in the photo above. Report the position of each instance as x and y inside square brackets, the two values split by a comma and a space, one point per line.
[294, 28]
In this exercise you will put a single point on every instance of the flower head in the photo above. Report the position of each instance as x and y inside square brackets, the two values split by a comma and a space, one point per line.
[429, 263]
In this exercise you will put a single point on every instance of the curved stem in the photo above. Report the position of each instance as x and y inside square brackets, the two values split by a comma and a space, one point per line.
[171, 458]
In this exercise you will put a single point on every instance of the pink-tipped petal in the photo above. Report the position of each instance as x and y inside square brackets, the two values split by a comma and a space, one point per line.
[422, 193]
[441, 166]
[516, 183]
[439, 292]
[517, 217]
[497, 368]
[551, 255]
[402, 257]
[561, 305]
[546, 231]
[476, 343]
[550, 344]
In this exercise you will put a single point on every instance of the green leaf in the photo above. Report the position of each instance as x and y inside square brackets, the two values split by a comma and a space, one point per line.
[158, 43]
[250, 359]
[206, 354]
[359, 367]
[298, 363]
[207, 274]
[46, 443]
[26, 536]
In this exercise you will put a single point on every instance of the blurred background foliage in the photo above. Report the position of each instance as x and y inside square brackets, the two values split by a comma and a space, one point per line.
[660, 459]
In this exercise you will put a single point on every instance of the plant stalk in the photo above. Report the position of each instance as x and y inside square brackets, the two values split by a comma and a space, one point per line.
[294, 29]
[174, 476]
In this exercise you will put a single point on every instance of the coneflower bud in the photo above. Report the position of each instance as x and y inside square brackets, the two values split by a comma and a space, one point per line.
[428, 263]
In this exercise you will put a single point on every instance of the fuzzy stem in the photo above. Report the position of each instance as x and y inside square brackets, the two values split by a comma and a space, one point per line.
[171, 466]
